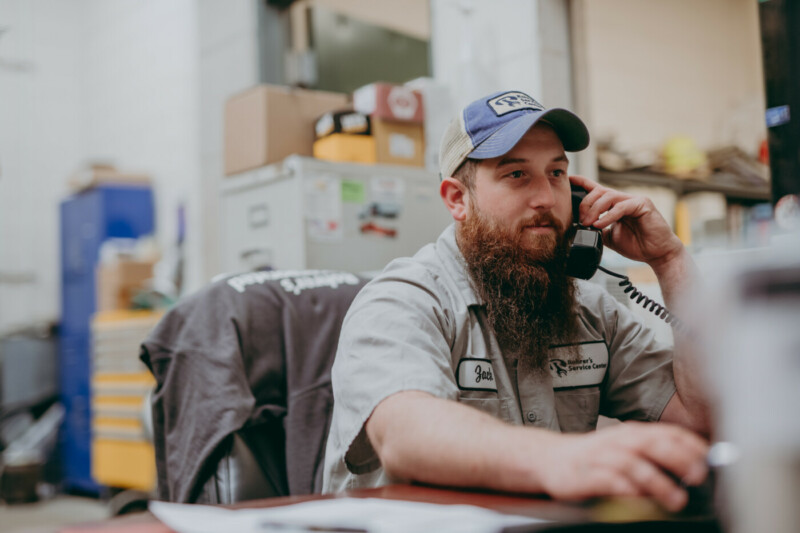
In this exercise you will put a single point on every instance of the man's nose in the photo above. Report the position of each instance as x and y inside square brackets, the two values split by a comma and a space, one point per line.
[542, 195]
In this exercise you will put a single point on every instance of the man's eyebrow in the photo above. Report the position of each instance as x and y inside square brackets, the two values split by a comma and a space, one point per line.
[510, 161]
[515, 160]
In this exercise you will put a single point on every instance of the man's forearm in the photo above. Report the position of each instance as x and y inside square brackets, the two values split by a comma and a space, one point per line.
[422, 438]
[678, 278]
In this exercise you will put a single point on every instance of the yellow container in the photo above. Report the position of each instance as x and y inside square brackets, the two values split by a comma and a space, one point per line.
[346, 147]
[124, 464]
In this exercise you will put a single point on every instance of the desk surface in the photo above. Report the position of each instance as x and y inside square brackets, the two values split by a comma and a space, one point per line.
[504, 503]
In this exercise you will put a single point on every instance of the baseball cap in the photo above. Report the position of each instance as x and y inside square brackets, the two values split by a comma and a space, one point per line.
[493, 125]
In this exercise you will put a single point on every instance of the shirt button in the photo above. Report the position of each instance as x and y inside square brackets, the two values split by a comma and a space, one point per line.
[531, 416]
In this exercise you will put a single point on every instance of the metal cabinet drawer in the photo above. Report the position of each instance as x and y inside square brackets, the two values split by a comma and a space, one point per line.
[262, 227]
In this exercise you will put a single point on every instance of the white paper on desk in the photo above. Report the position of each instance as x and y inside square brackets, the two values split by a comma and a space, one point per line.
[374, 515]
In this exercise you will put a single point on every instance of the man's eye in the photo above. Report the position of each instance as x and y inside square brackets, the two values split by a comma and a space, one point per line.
[558, 172]
[516, 174]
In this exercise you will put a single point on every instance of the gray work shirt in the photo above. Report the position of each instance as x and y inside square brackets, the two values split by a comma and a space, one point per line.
[420, 326]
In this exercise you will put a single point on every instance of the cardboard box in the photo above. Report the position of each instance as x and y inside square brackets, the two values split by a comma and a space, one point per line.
[118, 282]
[390, 102]
[268, 123]
[347, 121]
[349, 147]
[98, 174]
[399, 143]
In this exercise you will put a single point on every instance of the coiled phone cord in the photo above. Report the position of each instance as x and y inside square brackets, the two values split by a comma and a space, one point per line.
[646, 302]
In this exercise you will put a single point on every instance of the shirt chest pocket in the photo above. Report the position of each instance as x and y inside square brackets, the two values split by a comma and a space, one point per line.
[493, 406]
[578, 409]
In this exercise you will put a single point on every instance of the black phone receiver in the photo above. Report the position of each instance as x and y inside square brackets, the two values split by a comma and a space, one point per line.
[586, 249]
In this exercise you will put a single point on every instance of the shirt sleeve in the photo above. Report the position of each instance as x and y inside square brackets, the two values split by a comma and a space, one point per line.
[640, 381]
[396, 337]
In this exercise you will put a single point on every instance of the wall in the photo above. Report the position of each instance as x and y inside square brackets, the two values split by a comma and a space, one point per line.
[228, 64]
[111, 80]
[42, 137]
[656, 69]
[482, 47]
[141, 79]
[470, 53]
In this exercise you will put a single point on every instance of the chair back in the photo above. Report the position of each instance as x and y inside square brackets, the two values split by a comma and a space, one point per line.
[243, 400]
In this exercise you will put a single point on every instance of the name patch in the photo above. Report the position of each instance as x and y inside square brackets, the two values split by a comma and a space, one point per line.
[587, 369]
[476, 374]
[513, 101]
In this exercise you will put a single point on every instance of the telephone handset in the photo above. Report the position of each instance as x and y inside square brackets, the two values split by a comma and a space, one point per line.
[586, 251]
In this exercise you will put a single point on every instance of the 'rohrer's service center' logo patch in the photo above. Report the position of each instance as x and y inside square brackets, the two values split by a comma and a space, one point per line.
[588, 369]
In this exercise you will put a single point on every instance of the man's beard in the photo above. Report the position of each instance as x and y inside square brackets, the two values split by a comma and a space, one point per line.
[530, 300]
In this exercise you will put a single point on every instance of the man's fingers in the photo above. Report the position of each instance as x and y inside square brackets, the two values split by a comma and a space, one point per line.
[620, 209]
[654, 482]
[596, 207]
[611, 482]
[601, 481]
[593, 195]
[678, 451]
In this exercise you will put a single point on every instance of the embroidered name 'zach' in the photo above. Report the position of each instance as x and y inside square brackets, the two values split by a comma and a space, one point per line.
[588, 369]
[476, 374]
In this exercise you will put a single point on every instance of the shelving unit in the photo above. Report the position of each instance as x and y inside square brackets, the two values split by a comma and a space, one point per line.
[734, 187]
[88, 218]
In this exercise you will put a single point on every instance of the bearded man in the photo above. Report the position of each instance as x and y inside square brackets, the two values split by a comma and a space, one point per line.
[479, 363]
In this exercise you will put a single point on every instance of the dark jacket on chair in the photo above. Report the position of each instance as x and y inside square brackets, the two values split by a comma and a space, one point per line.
[244, 364]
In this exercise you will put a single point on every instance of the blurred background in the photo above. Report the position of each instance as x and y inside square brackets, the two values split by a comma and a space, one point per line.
[147, 146]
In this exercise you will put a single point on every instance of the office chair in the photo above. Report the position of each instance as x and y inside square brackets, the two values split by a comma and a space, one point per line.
[243, 400]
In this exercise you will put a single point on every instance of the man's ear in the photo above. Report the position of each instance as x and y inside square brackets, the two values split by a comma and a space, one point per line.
[456, 198]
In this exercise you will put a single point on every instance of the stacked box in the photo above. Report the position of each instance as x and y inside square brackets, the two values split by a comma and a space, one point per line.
[118, 283]
[397, 116]
[267, 123]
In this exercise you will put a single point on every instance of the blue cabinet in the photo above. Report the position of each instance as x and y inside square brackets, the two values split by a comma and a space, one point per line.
[87, 219]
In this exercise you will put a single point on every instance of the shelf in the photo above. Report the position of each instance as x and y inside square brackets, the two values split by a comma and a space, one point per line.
[731, 185]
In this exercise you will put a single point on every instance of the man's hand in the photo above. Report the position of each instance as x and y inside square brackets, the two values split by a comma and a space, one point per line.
[631, 459]
[631, 224]
[422, 438]
[633, 227]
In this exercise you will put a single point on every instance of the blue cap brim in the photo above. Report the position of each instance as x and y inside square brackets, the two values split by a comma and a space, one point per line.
[569, 128]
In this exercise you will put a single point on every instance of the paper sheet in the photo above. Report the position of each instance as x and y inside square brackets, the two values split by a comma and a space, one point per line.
[323, 208]
[351, 515]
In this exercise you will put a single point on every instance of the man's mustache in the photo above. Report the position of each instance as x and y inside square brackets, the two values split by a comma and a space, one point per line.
[543, 219]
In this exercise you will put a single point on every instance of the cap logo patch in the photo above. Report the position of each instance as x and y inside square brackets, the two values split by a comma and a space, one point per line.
[513, 101]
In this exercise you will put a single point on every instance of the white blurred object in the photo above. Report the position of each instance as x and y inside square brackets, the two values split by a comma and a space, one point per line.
[376, 515]
[750, 327]
[439, 111]
[116, 249]
[707, 219]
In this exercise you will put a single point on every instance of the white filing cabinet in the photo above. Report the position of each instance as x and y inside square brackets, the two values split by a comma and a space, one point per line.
[306, 213]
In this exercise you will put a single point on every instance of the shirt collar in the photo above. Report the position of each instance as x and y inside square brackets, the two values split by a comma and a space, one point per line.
[456, 266]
